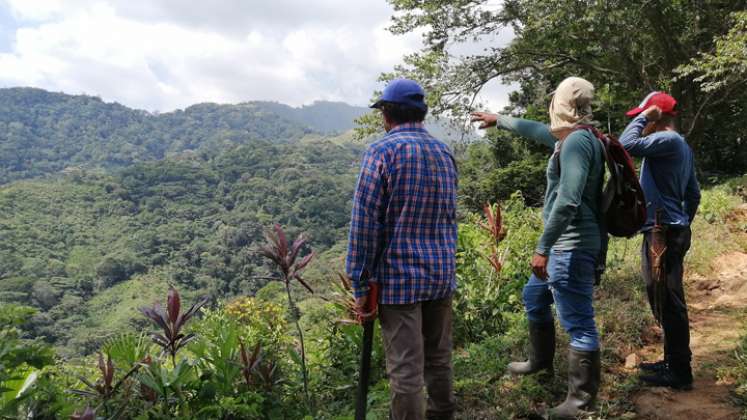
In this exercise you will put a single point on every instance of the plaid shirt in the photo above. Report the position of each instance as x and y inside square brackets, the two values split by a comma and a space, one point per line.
[403, 230]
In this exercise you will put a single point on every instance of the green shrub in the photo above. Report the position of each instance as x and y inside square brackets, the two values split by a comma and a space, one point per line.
[483, 294]
[259, 322]
[495, 170]
[334, 350]
[217, 368]
[20, 362]
[716, 203]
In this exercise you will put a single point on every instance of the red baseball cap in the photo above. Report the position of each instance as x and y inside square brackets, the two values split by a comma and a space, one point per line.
[663, 100]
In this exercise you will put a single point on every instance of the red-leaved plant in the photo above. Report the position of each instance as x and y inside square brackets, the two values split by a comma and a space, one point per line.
[268, 375]
[494, 226]
[171, 322]
[285, 255]
[105, 387]
[249, 362]
[290, 264]
[256, 370]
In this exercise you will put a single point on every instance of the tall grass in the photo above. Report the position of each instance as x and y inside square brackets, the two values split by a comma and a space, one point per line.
[714, 233]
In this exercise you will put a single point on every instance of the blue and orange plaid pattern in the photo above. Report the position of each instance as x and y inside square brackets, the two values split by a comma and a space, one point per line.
[403, 229]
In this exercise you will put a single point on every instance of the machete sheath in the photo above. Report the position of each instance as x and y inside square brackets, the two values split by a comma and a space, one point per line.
[657, 252]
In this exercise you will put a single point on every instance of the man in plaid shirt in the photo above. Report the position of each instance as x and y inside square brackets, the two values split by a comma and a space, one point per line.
[403, 236]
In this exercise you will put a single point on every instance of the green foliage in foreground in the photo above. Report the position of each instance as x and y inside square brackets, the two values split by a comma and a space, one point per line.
[244, 361]
[485, 297]
[20, 359]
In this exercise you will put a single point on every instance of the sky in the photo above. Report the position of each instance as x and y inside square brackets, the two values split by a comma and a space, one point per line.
[162, 55]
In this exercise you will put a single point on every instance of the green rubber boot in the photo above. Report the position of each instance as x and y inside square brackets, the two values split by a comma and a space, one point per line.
[584, 371]
[541, 350]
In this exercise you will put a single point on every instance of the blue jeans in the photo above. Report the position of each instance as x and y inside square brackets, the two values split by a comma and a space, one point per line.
[570, 285]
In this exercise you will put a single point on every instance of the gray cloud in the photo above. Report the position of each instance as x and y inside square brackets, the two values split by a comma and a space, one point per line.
[241, 17]
[167, 54]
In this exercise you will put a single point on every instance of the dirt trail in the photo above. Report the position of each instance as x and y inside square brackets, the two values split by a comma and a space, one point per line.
[717, 307]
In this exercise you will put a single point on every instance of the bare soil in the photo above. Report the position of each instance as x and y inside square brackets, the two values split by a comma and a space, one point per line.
[717, 305]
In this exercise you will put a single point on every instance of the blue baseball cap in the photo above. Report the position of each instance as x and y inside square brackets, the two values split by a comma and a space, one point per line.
[405, 92]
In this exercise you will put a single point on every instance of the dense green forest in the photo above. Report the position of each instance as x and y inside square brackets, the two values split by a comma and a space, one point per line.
[106, 208]
[77, 246]
[43, 132]
[185, 194]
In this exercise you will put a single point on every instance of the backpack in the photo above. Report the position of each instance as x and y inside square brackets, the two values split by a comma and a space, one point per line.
[623, 204]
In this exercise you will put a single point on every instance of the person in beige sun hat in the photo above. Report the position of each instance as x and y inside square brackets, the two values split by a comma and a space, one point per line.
[565, 259]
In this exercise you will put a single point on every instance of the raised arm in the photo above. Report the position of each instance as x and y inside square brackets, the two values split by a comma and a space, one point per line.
[637, 145]
[366, 225]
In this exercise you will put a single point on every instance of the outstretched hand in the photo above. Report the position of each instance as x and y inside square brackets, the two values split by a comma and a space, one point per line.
[486, 119]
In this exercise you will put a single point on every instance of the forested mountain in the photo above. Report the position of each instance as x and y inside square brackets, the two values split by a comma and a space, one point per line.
[87, 249]
[137, 200]
[103, 205]
[324, 116]
[43, 132]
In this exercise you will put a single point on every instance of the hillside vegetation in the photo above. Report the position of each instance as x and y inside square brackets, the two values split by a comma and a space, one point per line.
[107, 210]
[77, 246]
[43, 132]
[244, 361]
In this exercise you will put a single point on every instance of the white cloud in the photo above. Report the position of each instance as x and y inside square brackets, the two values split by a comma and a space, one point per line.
[167, 54]
[35, 9]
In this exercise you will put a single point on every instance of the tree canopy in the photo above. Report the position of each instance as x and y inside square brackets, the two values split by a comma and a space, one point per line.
[693, 49]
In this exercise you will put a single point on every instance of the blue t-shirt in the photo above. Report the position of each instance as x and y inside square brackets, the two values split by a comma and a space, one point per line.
[667, 173]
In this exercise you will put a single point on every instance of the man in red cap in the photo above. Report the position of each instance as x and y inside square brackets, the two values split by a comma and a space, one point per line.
[672, 193]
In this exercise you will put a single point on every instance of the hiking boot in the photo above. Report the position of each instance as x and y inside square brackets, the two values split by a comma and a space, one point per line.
[584, 374]
[541, 350]
[674, 377]
[653, 366]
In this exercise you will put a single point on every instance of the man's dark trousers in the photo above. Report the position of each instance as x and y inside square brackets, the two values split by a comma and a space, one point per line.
[418, 345]
[674, 319]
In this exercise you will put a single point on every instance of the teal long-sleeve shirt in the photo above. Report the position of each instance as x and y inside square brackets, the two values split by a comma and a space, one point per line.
[575, 173]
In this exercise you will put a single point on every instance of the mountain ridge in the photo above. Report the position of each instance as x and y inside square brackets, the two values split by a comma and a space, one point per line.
[43, 132]
[313, 106]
